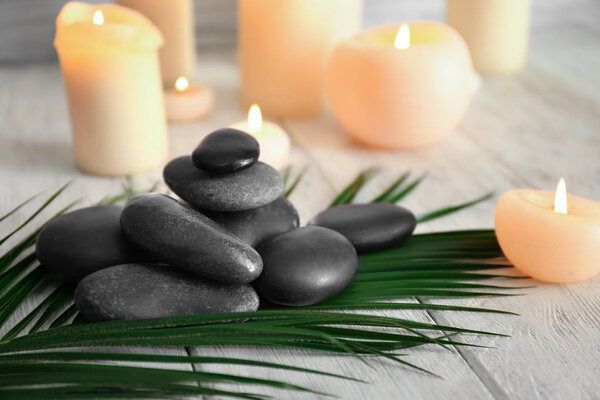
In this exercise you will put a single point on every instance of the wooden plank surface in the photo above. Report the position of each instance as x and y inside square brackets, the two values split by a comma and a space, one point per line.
[521, 131]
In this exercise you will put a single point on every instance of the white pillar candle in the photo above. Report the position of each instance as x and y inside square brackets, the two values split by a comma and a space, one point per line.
[273, 140]
[108, 56]
[496, 31]
[175, 19]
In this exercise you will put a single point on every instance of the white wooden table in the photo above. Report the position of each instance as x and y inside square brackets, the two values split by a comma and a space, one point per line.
[521, 131]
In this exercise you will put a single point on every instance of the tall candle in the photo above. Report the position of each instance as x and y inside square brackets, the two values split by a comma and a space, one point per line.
[175, 19]
[108, 56]
[496, 31]
[400, 86]
[550, 236]
[283, 46]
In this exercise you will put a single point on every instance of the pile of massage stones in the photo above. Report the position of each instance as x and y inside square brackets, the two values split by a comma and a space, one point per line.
[228, 242]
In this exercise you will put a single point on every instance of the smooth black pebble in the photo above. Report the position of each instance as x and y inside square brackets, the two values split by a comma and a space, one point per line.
[226, 150]
[84, 241]
[139, 291]
[245, 189]
[259, 224]
[370, 227]
[306, 266]
[184, 238]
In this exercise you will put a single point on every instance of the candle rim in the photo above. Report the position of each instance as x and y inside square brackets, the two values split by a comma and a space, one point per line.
[577, 207]
[122, 28]
[442, 33]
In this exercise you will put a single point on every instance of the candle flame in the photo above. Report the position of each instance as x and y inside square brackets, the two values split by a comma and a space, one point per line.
[181, 84]
[560, 199]
[98, 18]
[254, 119]
[402, 41]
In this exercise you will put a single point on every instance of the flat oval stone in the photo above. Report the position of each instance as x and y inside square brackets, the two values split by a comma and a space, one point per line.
[248, 188]
[140, 291]
[259, 224]
[370, 227]
[226, 150]
[183, 238]
[84, 241]
[306, 266]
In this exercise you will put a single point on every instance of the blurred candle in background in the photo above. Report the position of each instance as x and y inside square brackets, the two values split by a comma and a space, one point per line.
[108, 55]
[273, 140]
[187, 102]
[496, 31]
[175, 19]
[400, 86]
[283, 47]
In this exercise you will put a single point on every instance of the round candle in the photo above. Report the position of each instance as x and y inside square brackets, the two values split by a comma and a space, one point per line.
[188, 102]
[175, 19]
[273, 140]
[496, 31]
[550, 236]
[400, 86]
[108, 57]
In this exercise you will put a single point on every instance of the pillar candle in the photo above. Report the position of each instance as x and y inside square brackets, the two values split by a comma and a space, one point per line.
[175, 19]
[108, 55]
[496, 31]
[283, 47]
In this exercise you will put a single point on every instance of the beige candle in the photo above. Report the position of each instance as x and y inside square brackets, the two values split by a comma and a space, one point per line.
[188, 102]
[348, 18]
[108, 56]
[175, 19]
[283, 45]
[550, 236]
[496, 31]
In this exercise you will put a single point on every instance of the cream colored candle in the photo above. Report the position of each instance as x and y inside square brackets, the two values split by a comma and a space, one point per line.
[283, 45]
[400, 86]
[188, 102]
[548, 235]
[108, 56]
[348, 17]
[273, 140]
[496, 31]
[175, 19]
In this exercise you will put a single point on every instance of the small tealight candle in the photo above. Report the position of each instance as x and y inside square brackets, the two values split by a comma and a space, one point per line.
[550, 236]
[274, 141]
[188, 102]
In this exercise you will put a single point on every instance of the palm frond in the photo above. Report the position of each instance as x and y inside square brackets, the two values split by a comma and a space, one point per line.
[442, 212]
[289, 189]
[443, 264]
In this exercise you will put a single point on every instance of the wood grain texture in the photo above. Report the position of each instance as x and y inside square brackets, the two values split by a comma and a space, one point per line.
[27, 26]
[521, 131]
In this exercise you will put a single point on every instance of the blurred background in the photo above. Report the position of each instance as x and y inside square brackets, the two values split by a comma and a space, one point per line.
[27, 26]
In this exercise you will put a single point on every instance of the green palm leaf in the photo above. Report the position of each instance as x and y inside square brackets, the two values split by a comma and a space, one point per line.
[445, 264]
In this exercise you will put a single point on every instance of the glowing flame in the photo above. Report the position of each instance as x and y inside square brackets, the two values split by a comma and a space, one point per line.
[402, 41]
[98, 18]
[181, 84]
[560, 199]
[254, 119]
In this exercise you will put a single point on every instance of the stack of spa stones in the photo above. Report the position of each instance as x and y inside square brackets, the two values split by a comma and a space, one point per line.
[230, 240]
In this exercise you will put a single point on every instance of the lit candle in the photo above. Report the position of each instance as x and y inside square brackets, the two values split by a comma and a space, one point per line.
[496, 31]
[175, 19]
[283, 48]
[274, 142]
[400, 87]
[550, 236]
[188, 102]
[108, 56]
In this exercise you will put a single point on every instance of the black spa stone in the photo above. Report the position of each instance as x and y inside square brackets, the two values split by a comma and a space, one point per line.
[305, 266]
[84, 241]
[370, 227]
[252, 187]
[140, 291]
[226, 150]
[182, 237]
[259, 224]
